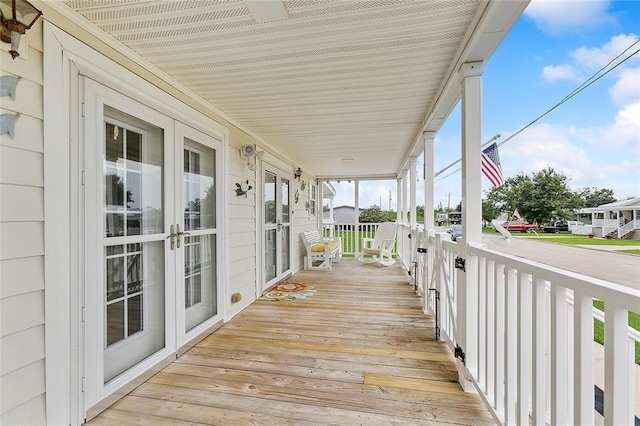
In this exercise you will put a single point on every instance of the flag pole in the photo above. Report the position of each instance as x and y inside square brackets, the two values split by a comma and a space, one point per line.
[460, 159]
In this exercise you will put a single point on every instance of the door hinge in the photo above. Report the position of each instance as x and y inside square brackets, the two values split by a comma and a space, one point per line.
[83, 109]
[83, 178]
[460, 263]
[83, 382]
[83, 314]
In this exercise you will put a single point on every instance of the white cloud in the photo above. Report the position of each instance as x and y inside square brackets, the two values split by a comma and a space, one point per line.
[557, 17]
[546, 145]
[625, 131]
[560, 72]
[594, 58]
[627, 89]
[585, 155]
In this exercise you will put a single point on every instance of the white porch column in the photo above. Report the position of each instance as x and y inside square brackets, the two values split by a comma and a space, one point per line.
[428, 180]
[321, 199]
[467, 336]
[399, 200]
[405, 198]
[413, 183]
[356, 210]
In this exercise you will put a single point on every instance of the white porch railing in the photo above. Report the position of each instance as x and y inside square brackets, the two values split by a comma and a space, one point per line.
[351, 234]
[533, 361]
[625, 229]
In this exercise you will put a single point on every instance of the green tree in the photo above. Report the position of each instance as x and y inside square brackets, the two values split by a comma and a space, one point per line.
[595, 197]
[543, 196]
[488, 211]
[373, 215]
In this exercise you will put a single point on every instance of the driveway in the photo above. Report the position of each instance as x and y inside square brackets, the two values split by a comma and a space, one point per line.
[595, 261]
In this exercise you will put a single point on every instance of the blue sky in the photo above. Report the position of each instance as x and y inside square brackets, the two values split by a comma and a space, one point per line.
[594, 138]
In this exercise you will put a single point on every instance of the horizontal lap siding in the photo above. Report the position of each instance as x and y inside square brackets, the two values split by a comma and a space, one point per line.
[22, 336]
[242, 225]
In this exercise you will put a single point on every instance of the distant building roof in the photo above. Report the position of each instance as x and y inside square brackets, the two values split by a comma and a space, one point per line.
[617, 205]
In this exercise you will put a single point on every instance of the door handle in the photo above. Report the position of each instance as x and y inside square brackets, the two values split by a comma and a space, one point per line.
[180, 234]
[171, 236]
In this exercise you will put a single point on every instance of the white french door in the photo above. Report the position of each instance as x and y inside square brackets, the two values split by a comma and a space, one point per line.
[276, 224]
[151, 237]
[199, 211]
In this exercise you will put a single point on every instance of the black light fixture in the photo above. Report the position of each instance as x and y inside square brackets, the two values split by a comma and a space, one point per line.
[298, 173]
[16, 17]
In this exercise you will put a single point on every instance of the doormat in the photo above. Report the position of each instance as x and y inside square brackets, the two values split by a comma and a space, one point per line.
[289, 291]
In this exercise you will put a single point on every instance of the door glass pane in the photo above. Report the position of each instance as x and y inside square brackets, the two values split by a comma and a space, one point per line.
[284, 186]
[133, 184]
[269, 197]
[284, 247]
[199, 186]
[134, 287]
[200, 284]
[134, 304]
[270, 254]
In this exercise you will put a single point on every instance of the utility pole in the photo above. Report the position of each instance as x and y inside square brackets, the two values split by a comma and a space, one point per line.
[389, 200]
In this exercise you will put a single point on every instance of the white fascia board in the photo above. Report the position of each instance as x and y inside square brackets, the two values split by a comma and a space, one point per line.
[491, 24]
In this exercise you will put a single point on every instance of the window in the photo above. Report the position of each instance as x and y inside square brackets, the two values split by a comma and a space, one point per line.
[312, 198]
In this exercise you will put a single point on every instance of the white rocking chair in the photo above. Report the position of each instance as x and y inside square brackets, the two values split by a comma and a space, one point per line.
[380, 246]
[320, 250]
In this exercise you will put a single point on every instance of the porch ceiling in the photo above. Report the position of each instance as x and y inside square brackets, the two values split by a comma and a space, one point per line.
[344, 88]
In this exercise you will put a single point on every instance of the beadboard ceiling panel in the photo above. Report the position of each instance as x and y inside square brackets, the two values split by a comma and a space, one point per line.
[343, 87]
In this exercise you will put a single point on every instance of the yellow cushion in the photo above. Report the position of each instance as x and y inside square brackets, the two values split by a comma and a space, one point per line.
[333, 244]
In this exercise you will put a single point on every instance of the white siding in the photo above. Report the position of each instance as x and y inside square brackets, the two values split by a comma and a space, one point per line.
[22, 342]
[242, 225]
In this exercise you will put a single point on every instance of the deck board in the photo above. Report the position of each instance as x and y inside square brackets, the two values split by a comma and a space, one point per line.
[359, 351]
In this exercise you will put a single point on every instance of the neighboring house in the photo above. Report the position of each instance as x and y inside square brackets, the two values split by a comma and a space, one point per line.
[620, 219]
[341, 214]
[148, 192]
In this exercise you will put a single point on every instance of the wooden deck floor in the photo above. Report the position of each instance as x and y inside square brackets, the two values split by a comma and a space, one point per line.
[358, 352]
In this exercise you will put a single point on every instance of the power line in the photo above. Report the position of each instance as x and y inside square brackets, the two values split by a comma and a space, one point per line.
[595, 77]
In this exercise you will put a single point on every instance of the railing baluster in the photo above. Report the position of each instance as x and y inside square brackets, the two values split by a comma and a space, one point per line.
[539, 365]
[499, 343]
[559, 361]
[617, 380]
[482, 322]
[524, 347]
[490, 314]
[583, 359]
[510, 346]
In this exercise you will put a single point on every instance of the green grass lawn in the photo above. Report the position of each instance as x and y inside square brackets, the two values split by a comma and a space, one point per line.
[632, 251]
[566, 238]
[598, 327]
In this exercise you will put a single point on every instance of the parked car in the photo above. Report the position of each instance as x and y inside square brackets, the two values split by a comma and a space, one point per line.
[519, 225]
[455, 231]
[556, 227]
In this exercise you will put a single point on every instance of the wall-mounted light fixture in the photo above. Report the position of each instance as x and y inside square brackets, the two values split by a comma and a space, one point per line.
[17, 16]
[298, 173]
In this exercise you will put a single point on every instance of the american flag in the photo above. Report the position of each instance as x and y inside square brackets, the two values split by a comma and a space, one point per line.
[490, 164]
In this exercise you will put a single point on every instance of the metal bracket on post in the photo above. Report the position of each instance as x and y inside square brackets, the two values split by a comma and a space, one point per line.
[414, 267]
[459, 353]
[460, 263]
[437, 295]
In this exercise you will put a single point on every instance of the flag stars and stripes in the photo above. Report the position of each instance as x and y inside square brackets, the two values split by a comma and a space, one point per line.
[490, 165]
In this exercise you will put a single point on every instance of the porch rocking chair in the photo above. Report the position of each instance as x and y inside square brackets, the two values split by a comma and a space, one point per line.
[380, 246]
[321, 251]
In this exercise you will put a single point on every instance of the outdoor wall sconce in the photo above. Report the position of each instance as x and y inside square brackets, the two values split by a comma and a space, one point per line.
[17, 16]
[242, 188]
[298, 173]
